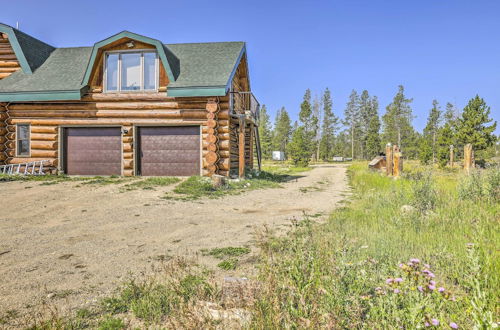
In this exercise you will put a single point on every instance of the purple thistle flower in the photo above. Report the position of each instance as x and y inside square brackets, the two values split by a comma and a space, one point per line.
[427, 324]
[435, 322]
[420, 288]
[398, 280]
[415, 261]
[427, 266]
[453, 325]
[441, 289]
[396, 291]
[431, 274]
[432, 283]
[401, 265]
[389, 281]
[431, 287]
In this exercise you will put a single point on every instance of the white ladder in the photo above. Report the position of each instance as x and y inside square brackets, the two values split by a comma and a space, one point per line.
[29, 168]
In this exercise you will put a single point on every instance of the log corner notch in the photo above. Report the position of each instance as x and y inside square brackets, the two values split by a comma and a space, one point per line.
[3, 133]
[212, 156]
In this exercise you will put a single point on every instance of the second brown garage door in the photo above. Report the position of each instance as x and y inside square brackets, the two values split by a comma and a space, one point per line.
[169, 151]
[93, 151]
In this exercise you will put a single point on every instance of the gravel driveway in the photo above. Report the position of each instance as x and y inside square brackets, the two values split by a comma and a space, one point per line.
[69, 244]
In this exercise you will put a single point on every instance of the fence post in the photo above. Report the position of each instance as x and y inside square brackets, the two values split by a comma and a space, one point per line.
[452, 156]
[397, 161]
[468, 158]
[388, 159]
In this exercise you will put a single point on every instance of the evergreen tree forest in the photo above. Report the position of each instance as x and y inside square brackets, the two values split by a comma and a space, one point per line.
[359, 130]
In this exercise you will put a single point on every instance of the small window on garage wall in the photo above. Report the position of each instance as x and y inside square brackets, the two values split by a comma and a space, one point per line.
[23, 140]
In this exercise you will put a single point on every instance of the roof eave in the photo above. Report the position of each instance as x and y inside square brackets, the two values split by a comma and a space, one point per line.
[233, 72]
[66, 95]
[196, 91]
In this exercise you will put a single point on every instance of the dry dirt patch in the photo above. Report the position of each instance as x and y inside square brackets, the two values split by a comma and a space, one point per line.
[71, 244]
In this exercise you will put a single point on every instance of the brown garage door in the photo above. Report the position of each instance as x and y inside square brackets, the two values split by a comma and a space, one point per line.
[169, 151]
[93, 151]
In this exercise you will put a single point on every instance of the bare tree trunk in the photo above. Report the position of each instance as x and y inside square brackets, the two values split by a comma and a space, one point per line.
[399, 136]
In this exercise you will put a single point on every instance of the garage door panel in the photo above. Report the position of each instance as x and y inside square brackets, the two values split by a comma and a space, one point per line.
[174, 141]
[170, 151]
[170, 156]
[93, 151]
[171, 169]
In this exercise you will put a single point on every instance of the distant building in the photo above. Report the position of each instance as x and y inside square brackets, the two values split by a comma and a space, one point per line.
[278, 155]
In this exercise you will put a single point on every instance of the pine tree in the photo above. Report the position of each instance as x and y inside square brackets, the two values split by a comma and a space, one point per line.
[282, 131]
[316, 112]
[265, 133]
[429, 140]
[365, 114]
[472, 125]
[309, 122]
[341, 146]
[445, 139]
[352, 118]
[372, 138]
[328, 128]
[397, 121]
[298, 147]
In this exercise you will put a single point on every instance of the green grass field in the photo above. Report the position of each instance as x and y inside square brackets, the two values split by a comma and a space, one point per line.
[408, 253]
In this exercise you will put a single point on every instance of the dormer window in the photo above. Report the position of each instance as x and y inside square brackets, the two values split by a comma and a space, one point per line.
[131, 71]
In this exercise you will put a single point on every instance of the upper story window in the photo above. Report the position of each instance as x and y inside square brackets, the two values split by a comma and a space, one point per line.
[131, 71]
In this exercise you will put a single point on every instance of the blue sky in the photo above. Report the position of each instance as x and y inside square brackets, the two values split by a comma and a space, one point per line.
[443, 49]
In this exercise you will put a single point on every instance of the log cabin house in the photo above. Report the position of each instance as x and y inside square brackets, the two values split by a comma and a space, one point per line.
[128, 105]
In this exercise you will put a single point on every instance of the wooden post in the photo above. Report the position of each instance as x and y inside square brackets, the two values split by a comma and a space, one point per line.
[251, 145]
[241, 148]
[397, 161]
[468, 158]
[452, 156]
[388, 159]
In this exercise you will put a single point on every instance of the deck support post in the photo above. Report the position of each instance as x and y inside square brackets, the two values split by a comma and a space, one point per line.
[241, 147]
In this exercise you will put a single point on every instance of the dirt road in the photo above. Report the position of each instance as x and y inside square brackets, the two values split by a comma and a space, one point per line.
[70, 244]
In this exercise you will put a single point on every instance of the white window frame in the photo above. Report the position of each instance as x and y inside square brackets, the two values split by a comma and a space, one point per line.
[119, 78]
[18, 154]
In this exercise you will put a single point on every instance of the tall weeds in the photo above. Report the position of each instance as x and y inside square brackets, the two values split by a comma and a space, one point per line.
[369, 267]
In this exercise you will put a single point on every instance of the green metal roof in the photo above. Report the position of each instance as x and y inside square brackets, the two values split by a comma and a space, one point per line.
[194, 69]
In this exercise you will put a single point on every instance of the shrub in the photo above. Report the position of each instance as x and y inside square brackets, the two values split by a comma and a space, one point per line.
[481, 185]
[424, 193]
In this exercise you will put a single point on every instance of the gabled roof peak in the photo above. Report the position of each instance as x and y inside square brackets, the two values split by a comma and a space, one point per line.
[168, 59]
[30, 52]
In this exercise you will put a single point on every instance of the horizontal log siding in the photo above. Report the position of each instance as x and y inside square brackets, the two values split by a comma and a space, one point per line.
[125, 110]
[8, 60]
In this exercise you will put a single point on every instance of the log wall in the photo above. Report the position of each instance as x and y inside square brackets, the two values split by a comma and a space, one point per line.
[8, 60]
[125, 110]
